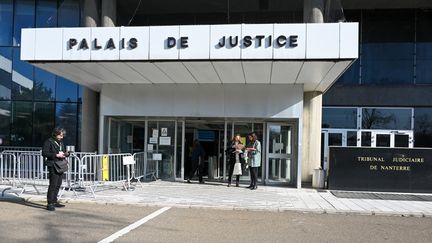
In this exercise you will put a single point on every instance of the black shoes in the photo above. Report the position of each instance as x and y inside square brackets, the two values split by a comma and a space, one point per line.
[237, 184]
[58, 205]
[229, 184]
[52, 206]
[249, 187]
[254, 188]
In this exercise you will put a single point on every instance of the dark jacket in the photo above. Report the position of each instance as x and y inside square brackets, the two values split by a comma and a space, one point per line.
[231, 153]
[50, 149]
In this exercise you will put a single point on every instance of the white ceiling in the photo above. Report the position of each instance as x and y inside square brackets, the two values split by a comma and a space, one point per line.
[315, 75]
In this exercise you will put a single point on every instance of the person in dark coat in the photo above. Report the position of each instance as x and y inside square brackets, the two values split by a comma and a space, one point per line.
[234, 154]
[54, 150]
[197, 160]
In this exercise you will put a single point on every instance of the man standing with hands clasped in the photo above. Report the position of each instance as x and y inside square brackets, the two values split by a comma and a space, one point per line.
[55, 155]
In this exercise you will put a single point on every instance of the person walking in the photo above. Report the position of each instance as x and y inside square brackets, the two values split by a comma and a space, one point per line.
[235, 153]
[254, 159]
[197, 159]
[55, 154]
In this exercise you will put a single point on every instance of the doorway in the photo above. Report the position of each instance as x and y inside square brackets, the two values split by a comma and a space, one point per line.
[280, 163]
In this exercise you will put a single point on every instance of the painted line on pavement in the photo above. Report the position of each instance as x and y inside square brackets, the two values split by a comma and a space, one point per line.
[135, 225]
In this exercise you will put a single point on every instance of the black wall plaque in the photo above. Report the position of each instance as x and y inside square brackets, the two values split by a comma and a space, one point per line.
[380, 169]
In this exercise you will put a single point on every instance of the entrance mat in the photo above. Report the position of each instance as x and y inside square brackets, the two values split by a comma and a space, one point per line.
[382, 196]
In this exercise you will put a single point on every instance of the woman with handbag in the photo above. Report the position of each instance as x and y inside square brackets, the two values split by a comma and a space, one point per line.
[55, 155]
[235, 153]
[254, 152]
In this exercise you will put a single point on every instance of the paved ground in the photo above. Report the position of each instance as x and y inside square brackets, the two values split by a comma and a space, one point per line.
[266, 198]
[84, 222]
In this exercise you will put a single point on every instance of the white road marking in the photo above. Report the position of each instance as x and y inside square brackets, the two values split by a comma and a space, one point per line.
[135, 225]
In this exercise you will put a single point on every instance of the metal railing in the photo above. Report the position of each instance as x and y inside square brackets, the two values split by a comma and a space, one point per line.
[86, 170]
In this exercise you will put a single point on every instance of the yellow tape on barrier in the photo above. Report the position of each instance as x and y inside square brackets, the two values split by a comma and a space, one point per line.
[105, 170]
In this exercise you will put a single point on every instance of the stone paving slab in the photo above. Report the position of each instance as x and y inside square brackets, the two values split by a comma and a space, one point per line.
[265, 198]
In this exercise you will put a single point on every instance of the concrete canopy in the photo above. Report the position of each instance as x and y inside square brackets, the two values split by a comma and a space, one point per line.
[313, 55]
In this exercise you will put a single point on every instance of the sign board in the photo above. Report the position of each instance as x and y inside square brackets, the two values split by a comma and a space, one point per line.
[155, 133]
[165, 141]
[153, 140]
[164, 131]
[157, 156]
[197, 42]
[380, 169]
[128, 160]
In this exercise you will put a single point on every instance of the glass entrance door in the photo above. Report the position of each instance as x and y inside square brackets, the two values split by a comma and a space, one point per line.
[280, 154]
[336, 137]
[392, 139]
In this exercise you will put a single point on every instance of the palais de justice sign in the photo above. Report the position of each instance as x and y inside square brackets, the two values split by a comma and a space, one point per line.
[192, 42]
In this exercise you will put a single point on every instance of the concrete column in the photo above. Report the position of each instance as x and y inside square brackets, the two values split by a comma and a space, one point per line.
[109, 13]
[312, 110]
[90, 17]
[90, 98]
[313, 11]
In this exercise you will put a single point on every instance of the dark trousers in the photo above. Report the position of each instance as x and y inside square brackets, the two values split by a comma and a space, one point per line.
[231, 170]
[196, 166]
[253, 175]
[55, 181]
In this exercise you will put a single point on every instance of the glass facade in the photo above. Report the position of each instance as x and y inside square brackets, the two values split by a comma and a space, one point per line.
[32, 100]
[395, 50]
[423, 127]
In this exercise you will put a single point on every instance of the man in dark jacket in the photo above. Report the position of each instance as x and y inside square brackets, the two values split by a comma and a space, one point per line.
[197, 161]
[54, 150]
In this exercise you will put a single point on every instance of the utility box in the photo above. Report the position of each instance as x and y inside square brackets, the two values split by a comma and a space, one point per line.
[318, 178]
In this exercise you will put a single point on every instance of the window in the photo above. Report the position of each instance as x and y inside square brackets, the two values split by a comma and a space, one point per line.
[66, 117]
[43, 122]
[21, 123]
[388, 47]
[393, 119]
[66, 90]
[423, 127]
[46, 13]
[351, 75]
[424, 48]
[6, 22]
[22, 77]
[5, 121]
[5, 72]
[44, 85]
[24, 18]
[339, 118]
[69, 13]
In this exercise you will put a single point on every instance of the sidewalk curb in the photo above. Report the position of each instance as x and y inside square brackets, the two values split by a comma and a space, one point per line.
[239, 208]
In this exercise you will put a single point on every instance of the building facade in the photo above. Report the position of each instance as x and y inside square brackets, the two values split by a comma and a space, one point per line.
[380, 100]
[33, 100]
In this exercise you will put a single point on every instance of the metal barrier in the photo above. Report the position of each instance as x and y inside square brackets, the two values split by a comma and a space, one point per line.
[8, 168]
[31, 170]
[86, 170]
[143, 168]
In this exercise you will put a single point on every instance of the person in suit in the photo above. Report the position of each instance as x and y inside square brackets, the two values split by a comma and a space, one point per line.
[254, 155]
[54, 150]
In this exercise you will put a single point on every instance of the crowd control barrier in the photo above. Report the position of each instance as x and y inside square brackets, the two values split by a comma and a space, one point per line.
[31, 171]
[144, 168]
[86, 170]
[8, 168]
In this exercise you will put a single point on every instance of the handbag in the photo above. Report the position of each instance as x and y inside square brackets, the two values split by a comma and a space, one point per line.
[61, 166]
[237, 169]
